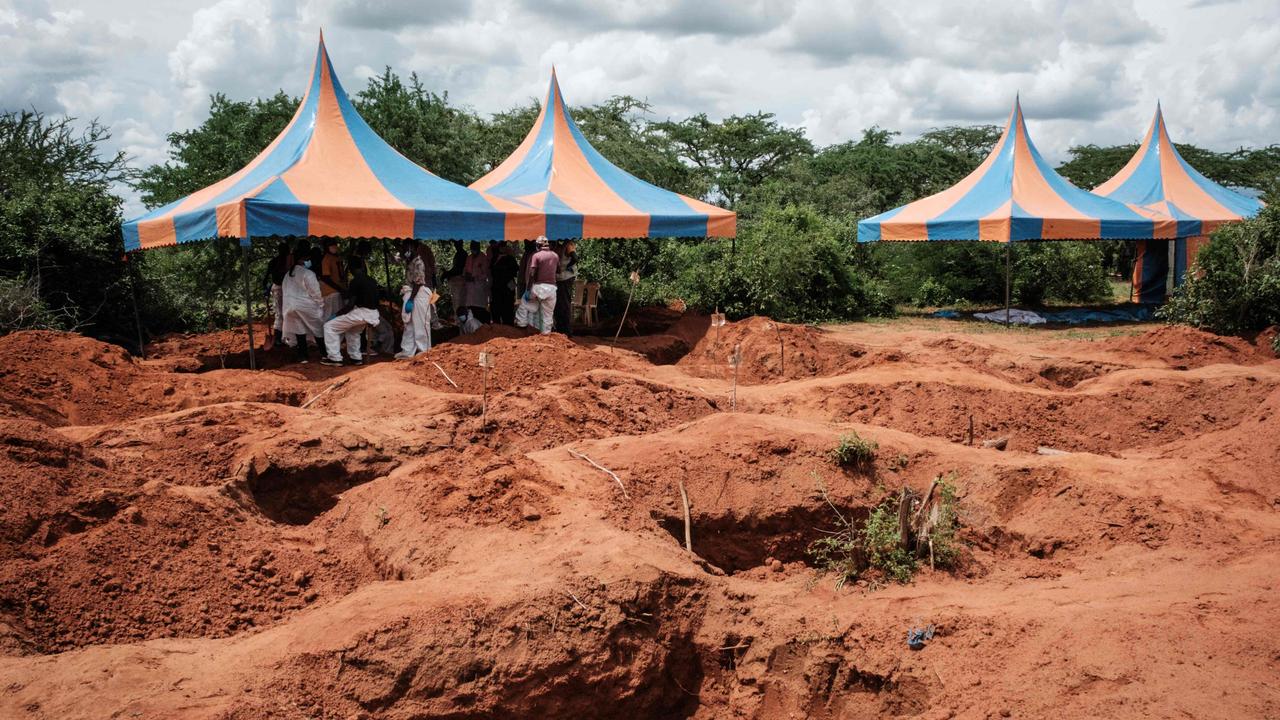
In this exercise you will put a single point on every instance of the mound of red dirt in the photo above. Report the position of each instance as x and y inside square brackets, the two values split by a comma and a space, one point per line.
[520, 362]
[493, 331]
[591, 405]
[66, 379]
[1184, 348]
[771, 351]
[210, 350]
[50, 487]
[129, 537]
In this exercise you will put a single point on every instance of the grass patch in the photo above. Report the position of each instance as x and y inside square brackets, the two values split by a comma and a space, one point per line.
[854, 450]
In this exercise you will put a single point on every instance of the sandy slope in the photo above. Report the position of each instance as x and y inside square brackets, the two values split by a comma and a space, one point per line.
[180, 544]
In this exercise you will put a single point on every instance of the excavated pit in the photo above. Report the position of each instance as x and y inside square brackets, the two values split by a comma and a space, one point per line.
[298, 495]
[737, 543]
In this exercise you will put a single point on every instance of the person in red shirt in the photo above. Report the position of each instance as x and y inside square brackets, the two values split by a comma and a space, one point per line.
[541, 281]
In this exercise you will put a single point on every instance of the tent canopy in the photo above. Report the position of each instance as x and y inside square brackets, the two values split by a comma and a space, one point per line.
[1157, 178]
[1015, 195]
[584, 195]
[329, 174]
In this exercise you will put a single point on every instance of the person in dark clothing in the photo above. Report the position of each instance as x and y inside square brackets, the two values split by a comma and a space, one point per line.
[454, 275]
[364, 294]
[566, 276]
[276, 270]
[530, 247]
[505, 270]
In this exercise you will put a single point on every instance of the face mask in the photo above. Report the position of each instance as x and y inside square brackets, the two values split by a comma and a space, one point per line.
[306, 264]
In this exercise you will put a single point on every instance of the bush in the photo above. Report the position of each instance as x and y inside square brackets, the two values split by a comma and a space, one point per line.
[854, 451]
[933, 294]
[1234, 285]
[878, 545]
[942, 541]
[791, 264]
[935, 274]
[882, 542]
[22, 309]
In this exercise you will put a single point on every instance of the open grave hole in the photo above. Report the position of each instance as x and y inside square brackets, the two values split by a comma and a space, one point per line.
[738, 543]
[297, 495]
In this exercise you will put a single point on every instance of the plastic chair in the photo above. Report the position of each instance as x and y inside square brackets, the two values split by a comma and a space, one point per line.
[590, 314]
[578, 299]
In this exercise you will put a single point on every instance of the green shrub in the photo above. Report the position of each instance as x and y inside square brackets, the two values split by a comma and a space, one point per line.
[882, 543]
[934, 274]
[22, 309]
[789, 263]
[1235, 285]
[854, 451]
[849, 550]
[933, 294]
[945, 547]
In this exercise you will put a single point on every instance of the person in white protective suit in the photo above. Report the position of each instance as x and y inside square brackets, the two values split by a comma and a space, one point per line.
[301, 302]
[350, 325]
[416, 310]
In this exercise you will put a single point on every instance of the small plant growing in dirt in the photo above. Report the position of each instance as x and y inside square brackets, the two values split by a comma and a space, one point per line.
[854, 451]
[942, 541]
[883, 546]
[878, 544]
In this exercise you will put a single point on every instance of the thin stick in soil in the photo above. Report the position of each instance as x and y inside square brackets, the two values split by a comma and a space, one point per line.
[575, 599]
[446, 375]
[603, 469]
[684, 500]
[324, 392]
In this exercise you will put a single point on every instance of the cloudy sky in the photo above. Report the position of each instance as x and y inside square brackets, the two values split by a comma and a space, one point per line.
[1087, 70]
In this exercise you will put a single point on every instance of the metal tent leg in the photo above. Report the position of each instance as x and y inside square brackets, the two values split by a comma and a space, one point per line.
[248, 303]
[133, 293]
[1008, 252]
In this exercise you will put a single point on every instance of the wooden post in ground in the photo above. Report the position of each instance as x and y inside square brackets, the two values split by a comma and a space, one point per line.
[688, 533]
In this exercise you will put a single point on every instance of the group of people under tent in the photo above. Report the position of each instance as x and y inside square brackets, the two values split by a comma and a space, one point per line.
[316, 293]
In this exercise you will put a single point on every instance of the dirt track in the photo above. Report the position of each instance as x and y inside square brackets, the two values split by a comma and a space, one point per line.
[195, 544]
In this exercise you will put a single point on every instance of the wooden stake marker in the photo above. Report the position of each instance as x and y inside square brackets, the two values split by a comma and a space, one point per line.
[735, 360]
[487, 364]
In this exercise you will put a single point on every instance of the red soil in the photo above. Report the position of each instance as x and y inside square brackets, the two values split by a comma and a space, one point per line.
[771, 351]
[520, 361]
[194, 544]
[1184, 348]
[65, 379]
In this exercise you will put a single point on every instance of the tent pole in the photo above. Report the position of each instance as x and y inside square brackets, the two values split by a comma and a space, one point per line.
[248, 302]
[1132, 270]
[386, 264]
[137, 319]
[1008, 250]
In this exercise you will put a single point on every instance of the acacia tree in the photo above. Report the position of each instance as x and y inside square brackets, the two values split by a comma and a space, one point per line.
[59, 221]
[737, 153]
[424, 127]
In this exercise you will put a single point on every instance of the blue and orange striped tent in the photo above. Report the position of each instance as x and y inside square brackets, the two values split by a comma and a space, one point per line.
[328, 174]
[583, 195]
[1159, 179]
[1015, 195]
